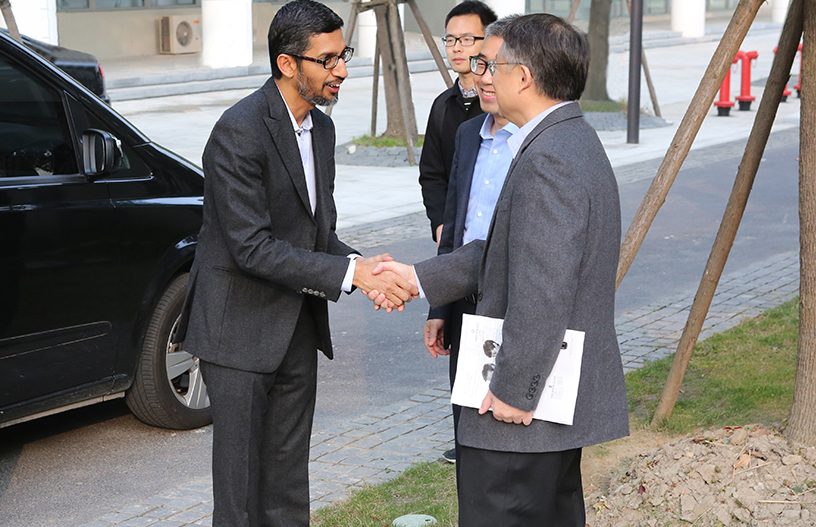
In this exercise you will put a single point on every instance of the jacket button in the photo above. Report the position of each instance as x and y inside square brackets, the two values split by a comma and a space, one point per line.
[529, 397]
[536, 377]
[480, 297]
[322, 294]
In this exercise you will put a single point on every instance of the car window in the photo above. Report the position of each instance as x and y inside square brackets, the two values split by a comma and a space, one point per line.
[34, 136]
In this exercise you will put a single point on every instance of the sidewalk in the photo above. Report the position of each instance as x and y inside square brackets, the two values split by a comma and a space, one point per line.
[379, 445]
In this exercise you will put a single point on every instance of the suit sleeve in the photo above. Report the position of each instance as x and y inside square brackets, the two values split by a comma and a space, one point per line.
[432, 176]
[234, 165]
[548, 223]
[449, 277]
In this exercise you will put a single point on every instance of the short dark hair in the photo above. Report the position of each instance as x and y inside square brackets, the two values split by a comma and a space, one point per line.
[473, 7]
[556, 52]
[294, 24]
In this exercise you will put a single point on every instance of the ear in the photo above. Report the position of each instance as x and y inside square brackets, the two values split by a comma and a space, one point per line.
[287, 65]
[525, 78]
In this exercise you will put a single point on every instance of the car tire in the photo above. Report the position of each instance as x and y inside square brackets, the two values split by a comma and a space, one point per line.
[167, 389]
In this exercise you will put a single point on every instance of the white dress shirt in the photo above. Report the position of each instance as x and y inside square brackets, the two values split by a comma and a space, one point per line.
[303, 134]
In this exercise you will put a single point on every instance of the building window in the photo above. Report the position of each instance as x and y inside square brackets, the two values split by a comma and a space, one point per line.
[73, 5]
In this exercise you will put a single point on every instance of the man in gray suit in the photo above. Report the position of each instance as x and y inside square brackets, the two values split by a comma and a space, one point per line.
[548, 265]
[267, 261]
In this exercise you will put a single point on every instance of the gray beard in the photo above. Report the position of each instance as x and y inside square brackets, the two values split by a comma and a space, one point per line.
[312, 98]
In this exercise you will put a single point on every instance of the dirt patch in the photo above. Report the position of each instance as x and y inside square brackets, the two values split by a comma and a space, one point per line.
[721, 477]
[600, 463]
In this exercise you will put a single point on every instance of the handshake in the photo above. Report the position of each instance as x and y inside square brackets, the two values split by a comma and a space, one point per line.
[387, 283]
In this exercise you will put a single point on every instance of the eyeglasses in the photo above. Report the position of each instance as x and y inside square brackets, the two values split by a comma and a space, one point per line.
[329, 63]
[466, 41]
[479, 66]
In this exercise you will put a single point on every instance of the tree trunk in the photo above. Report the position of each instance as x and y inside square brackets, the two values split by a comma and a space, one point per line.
[11, 24]
[393, 107]
[599, 11]
[801, 428]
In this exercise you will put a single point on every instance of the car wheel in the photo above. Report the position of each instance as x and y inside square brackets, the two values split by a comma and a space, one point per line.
[168, 390]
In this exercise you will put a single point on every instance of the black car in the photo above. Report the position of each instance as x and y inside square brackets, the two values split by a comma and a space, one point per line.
[98, 229]
[80, 65]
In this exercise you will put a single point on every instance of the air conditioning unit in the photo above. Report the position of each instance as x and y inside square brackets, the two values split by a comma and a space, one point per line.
[179, 34]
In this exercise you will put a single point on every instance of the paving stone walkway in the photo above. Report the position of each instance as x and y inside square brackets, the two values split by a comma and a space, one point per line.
[378, 446]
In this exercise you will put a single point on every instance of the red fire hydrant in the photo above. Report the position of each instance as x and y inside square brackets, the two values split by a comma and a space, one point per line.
[798, 86]
[725, 103]
[786, 91]
[745, 98]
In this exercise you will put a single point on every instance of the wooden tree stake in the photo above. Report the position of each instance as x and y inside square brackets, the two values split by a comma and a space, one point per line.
[573, 10]
[403, 80]
[426, 32]
[778, 77]
[11, 23]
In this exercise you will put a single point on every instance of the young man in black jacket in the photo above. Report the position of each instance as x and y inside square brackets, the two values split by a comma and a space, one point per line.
[464, 33]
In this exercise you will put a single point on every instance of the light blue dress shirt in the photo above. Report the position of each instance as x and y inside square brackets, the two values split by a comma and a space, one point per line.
[489, 173]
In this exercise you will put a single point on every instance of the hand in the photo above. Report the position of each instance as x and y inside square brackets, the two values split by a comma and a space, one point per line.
[402, 270]
[439, 235]
[434, 332]
[505, 412]
[391, 288]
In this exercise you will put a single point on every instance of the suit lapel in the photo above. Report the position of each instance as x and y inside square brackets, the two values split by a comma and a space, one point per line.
[470, 152]
[320, 144]
[279, 126]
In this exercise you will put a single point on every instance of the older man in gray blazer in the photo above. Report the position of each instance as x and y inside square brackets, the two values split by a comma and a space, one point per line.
[267, 261]
[548, 265]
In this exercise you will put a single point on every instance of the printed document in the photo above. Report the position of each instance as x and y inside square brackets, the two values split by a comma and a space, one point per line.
[481, 343]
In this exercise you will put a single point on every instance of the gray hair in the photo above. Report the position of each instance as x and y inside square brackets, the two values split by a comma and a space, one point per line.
[499, 27]
[556, 53]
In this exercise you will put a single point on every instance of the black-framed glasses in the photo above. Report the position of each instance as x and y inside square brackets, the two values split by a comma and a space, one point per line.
[478, 65]
[467, 40]
[329, 63]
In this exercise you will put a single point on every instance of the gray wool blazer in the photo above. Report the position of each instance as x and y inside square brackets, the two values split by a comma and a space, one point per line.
[261, 250]
[548, 265]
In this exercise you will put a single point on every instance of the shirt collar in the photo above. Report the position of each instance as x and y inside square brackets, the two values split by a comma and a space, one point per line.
[467, 94]
[518, 138]
[305, 126]
[509, 128]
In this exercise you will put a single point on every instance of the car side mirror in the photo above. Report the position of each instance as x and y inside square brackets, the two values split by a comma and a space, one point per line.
[101, 153]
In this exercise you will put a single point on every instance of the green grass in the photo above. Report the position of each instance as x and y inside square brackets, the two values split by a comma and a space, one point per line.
[743, 375]
[381, 141]
[602, 106]
[425, 488]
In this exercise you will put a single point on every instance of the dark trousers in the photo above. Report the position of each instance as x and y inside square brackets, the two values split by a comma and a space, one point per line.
[262, 424]
[511, 489]
[453, 336]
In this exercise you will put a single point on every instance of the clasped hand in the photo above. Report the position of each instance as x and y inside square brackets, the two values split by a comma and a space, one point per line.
[387, 283]
[504, 412]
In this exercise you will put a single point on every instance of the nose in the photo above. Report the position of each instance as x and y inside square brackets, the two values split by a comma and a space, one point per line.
[340, 70]
[457, 45]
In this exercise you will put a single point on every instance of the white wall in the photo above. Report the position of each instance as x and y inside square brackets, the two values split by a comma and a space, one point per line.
[36, 19]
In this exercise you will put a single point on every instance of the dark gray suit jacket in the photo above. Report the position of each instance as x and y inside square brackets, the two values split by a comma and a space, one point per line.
[548, 265]
[261, 250]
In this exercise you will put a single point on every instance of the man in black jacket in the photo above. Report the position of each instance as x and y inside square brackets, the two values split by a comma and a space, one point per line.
[464, 33]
